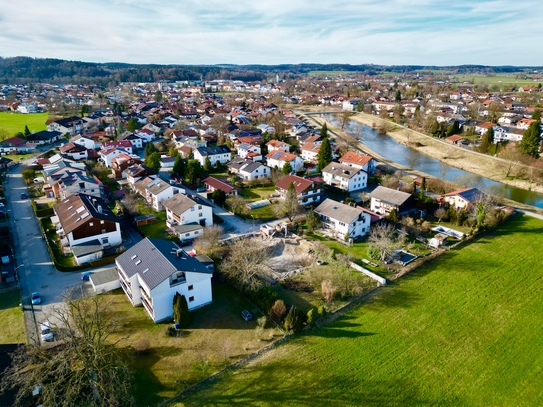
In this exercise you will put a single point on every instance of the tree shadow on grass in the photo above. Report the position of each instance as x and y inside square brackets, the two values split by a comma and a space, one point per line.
[309, 384]
[146, 385]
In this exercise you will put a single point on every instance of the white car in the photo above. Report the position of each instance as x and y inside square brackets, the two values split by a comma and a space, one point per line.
[45, 331]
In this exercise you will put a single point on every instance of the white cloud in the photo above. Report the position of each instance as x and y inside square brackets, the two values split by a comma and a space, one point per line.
[427, 32]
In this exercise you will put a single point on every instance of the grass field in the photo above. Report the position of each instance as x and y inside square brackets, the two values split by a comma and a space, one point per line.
[16, 122]
[496, 80]
[330, 73]
[465, 330]
[11, 318]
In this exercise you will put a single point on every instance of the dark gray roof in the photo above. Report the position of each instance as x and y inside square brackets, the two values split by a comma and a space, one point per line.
[338, 211]
[251, 166]
[105, 276]
[213, 150]
[92, 246]
[390, 196]
[341, 170]
[189, 227]
[156, 260]
[178, 204]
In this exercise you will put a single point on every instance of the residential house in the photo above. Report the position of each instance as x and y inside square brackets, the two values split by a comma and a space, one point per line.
[308, 192]
[278, 145]
[123, 145]
[136, 172]
[365, 162]
[74, 151]
[108, 154]
[463, 198]
[279, 158]
[245, 150]
[44, 137]
[248, 170]
[77, 183]
[15, 145]
[155, 191]
[351, 105]
[153, 271]
[82, 219]
[121, 163]
[482, 128]
[345, 177]
[87, 142]
[310, 151]
[135, 139]
[222, 154]
[186, 217]
[384, 200]
[213, 184]
[345, 221]
[70, 125]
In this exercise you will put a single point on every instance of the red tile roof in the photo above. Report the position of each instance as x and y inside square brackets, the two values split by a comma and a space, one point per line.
[300, 184]
[352, 158]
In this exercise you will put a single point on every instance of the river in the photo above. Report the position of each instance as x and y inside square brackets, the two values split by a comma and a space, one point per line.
[387, 147]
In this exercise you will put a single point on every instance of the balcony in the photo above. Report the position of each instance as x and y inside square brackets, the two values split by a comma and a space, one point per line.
[148, 307]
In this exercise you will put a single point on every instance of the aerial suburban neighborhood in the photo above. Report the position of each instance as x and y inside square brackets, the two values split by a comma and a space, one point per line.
[304, 234]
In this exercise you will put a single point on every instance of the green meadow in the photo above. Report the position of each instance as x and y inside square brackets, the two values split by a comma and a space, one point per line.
[16, 122]
[464, 330]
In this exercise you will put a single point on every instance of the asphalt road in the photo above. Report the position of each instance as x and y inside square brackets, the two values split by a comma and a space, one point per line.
[34, 265]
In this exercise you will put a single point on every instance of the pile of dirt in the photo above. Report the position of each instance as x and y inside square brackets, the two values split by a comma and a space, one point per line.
[289, 255]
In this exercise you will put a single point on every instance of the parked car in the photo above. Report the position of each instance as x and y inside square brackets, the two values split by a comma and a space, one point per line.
[24, 195]
[45, 331]
[246, 315]
[201, 189]
[35, 297]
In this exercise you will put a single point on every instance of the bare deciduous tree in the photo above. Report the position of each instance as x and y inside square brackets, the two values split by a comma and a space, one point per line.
[246, 258]
[85, 368]
[383, 239]
[208, 242]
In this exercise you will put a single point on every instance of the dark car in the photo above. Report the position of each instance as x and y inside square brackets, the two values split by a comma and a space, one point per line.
[24, 195]
[246, 315]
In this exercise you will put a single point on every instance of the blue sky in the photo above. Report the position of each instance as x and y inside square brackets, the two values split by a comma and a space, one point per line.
[426, 32]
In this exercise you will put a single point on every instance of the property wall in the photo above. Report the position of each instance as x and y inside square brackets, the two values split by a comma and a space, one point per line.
[89, 257]
[107, 287]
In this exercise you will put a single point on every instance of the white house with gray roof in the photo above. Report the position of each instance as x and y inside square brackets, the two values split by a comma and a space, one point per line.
[153, 270]
[343, 220]
[186, 217]
[155, 191]
[385, 200]
[345, 177]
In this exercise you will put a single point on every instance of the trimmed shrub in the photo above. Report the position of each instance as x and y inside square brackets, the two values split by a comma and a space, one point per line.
[295, 320]
[321, 311]
[312, 316]
[181, 313]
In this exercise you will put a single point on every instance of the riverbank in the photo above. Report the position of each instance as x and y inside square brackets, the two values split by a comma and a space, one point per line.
[461, 160]
[458, 157]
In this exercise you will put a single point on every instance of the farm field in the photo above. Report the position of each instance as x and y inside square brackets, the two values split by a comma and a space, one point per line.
[465, 330]
[330, 73]
[16, 122]
[496, 80]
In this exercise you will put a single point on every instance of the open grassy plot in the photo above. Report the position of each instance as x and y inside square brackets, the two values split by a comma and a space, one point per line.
[16, 122]
[509, 80]
[156, 229]
[257, 193]
[217, 336]
[465, 330]
[11, 318]
[330, 73]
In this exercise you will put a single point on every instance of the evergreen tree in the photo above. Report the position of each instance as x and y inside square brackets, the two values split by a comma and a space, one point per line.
[398, 97]
[324, 131]
[295, 320]
[181, 313]
[179, 166]
[150, 148]
[287, 168]
[360, 107]
[152, 161]
[536, 115]
[132, 124]
[27, 131]
[324, 157]
[531, 140]
[219, 197]
[194, 171]
[485, 141]
[207, 164]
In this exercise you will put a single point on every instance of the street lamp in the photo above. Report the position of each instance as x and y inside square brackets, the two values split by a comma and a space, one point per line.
[16, 273]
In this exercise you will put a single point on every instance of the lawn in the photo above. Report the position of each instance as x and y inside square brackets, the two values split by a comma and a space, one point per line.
[496, 80]
[257, 193]
[216, 336]
[330, 73]
[16, 122]
[11, 318]
[465, 330]
[156, 229]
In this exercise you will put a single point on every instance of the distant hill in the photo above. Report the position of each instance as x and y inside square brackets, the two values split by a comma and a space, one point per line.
[24, 70]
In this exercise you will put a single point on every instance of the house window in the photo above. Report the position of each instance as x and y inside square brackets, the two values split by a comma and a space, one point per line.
[187, 234]
[101, 222]
[200, 214]
[200, 207]
[178, 277]
[191, 287]
[191, 299]
[91, 224]
[103, 231]
[192, 209]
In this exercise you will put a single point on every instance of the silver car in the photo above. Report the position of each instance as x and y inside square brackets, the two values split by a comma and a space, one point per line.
[45, 331]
